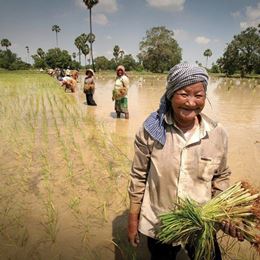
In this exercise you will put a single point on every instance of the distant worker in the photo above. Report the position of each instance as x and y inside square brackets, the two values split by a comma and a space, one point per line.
[89, 87]
[68, 72]
[70, 83]
[120, 90]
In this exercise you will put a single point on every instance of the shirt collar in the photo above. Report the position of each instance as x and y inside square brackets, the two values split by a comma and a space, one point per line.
[206, 124]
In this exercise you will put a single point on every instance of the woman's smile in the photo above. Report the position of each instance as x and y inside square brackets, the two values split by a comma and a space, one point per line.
[187, 103]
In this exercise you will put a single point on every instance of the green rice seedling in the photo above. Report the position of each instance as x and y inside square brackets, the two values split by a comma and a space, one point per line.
[92, 184]
[88, 254]
[84, 226]
[84, 220]
[13, 232]
[125, 196]
[197, 224]
[44, 121]
[66, 157]
[127, 252]
[46, 170]
[79, 152]
[21, 238]
[75, 120]
[58, 132]
[119, 248]
[74, 204]
[67, 108]
[103, 208]
[36, 112]
[112, 157]
[50, 222]
[61, 110]
[50, 103]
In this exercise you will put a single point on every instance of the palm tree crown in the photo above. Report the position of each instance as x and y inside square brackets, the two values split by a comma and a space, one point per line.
[5, 43]
[41, 53]
[90, 3]
[207, 53]
[55, 28]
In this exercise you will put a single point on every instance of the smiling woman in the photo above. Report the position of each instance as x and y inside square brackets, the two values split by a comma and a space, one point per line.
[179, 153]
[187, 103]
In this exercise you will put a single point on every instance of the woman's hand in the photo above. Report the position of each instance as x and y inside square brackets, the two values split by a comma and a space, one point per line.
[133, 236]
[230, 229]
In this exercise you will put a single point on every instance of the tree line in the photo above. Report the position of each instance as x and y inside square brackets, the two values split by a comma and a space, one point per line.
[158, 52]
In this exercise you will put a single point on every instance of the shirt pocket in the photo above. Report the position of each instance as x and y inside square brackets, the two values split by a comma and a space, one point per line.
[208, 166]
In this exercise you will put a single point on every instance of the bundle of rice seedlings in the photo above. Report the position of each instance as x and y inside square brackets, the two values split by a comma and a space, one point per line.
[196, 224]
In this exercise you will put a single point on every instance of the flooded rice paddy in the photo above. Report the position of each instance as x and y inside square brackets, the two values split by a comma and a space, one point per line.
[64, 166]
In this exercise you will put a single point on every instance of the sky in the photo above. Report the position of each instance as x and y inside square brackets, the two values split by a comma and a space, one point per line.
[197, 24]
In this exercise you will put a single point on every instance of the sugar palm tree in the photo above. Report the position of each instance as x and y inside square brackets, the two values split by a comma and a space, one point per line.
[78, 44]
[121, 54]
[55, 28]
[207, 53]
[74, 55]
[5, 43]
[28, 53]
[84, 38]
[41, 53]
[116, 51]
[85, 51]
[90, 4]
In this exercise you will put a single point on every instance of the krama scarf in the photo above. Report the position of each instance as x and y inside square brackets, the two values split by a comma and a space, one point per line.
[181, 75]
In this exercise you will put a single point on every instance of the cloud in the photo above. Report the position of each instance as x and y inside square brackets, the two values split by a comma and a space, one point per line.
[244, 25]
[180, 34]
[109, 37]
[104, 6]
[107, 6]
[170, 5]
[109, 54]
[235, 14]
[202, 40]
[99, 10]
[216, 40]
[252, 17]
[100, 19]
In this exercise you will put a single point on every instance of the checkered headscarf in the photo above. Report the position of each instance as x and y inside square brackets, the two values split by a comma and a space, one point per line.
[179, 76]
[182, 75]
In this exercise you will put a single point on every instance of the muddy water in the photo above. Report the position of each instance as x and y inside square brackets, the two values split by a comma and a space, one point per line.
[233, 103]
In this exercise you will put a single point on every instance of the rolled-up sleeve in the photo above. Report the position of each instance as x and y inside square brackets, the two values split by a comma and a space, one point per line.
[139, 171]
[125, 81]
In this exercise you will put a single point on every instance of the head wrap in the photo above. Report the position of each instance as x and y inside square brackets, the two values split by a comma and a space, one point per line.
[90, 70]
[120, 67]
[181, 75]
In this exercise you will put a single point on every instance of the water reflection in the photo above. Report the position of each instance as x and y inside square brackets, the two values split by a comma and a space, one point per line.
[237, 106]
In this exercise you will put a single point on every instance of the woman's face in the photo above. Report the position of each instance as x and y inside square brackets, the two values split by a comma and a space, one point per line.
[188, 102]
[120, 72]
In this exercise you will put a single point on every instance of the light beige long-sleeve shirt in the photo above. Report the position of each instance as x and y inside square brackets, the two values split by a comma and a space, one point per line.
[121, 87]
[195, 168]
